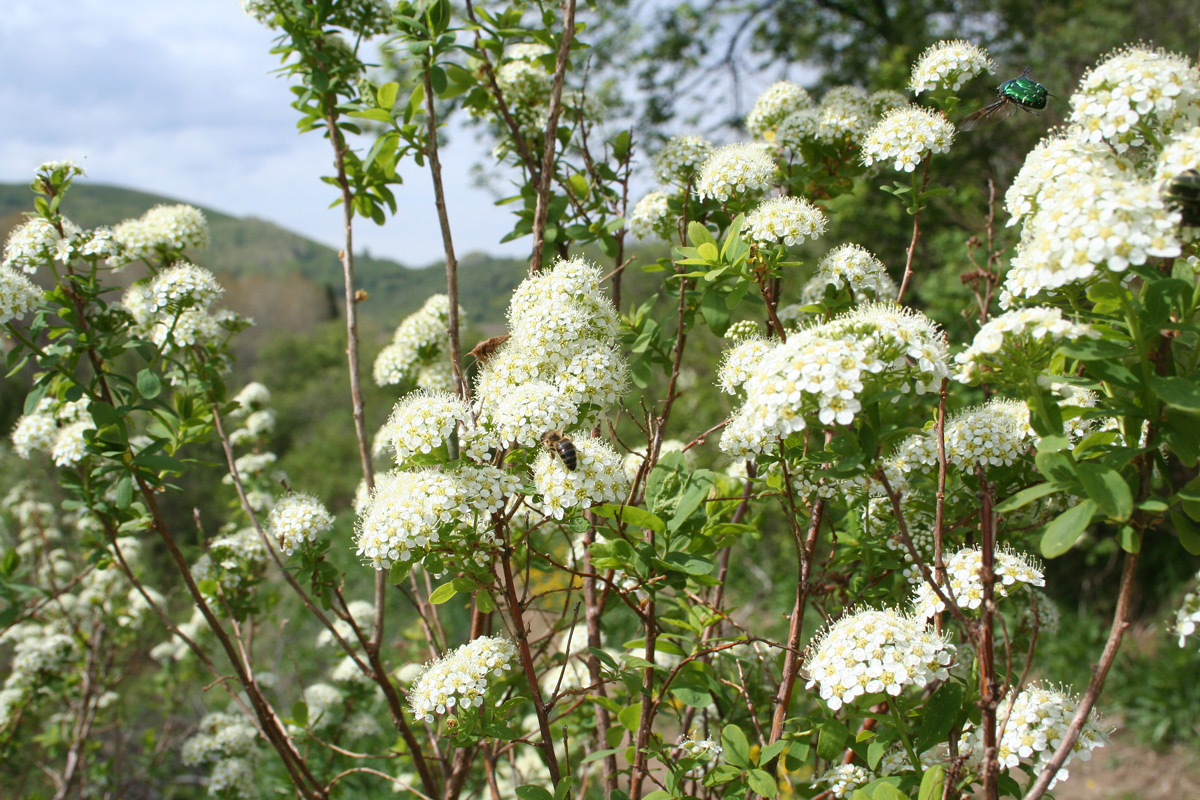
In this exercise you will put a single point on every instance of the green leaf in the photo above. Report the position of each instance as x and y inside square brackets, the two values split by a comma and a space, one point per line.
[386, 95]
[939, 716]
[443, 593]
[563, 788]
[399, 572]
[642, 518]
[698, 235]
[762, 782]
[437, 79]
[103, 413]
[1025, 497]
[630, 716]
[886, 791]
[1063, 531]
[1177, 392]
[696, 698]
[579, 185]
[124, 491]
[715, 312]
[1107, 489]
[149, 385]
[373, 114]
[832, 740]
[531, 792]
[709, 252]
[1189, 537]
[931, 783]
[485, 603]
[300, 712]
[771, 751]
[737, 747]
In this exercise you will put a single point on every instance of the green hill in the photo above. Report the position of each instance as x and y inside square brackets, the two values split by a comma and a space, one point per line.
[258, 253]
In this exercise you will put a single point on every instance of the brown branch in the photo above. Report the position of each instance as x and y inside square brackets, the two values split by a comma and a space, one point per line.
[912, 246]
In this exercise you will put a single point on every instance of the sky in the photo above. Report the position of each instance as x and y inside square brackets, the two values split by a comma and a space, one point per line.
[177, 97]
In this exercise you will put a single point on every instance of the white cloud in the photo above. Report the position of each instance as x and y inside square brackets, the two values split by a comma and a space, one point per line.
[178, 98]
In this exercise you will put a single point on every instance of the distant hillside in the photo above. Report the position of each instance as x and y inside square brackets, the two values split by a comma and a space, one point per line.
[254, 249]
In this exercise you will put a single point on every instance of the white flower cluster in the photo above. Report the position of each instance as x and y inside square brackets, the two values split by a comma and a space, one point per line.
[323, 702]
[1055, 158]
[706, 751]
[906, 136]
[872, 651]
[421, 340]
[55, 427]
[887, 100]
[459, 679]
[599, 477]
[1013, 570]
[1037, 723]
[1018, 338]
[827, 370]
[232, 560]
[423, 422]
[227, 741]
[253, 397]
[651, 216]
[852, 268]
[162, 230]
[296, 519]
[258, 425]
[797, 128]
[742, 329]
[842, 779]
[1188, 616]
[948, 65]
[734, 171]
[18, 295]
[677, 163]
[784, 220]
[779, 101]
[36, 242]
[172, 309]
[844, 116]
[1136, 94]
[182, 286]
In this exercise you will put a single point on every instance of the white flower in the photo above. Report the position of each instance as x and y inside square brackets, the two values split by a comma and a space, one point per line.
[948, 65]
[1025, 337]
[253, 397]
[679, 160]
[842, 779]
[296, 519]
[421, 339]
[408, 514]
[322, 701]
[70, 446]
[599, 477]
[779, 101]
[906, 136]
[460, 678]
[734, 171]
[706, 751]
[422, 422]
[36, 242]
[798, 128]
[183, 286]
[844, 116]
[785, 220]
[651, 216]
[18, 295]
[1012, 569]
[161, 230]
[34, 432]
[869, 651]
[853, 268]
[739, 362]
[1187, 617]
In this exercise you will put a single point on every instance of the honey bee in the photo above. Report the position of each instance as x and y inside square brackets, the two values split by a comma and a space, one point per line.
[487, 348]
[559, 443]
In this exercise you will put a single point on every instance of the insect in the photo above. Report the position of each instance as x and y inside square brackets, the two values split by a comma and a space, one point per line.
[1183, 194]
[559, 443]
[487, 348]
[1020, 92]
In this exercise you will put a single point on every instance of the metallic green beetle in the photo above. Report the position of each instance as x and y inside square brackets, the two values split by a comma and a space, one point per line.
[1021, 92]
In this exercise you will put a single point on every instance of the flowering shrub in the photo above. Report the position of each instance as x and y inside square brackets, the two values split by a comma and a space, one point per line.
[564, 504]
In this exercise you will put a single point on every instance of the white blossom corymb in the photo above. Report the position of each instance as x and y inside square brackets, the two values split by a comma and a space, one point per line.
[870, 651]
[798, 128]
[705, 751]
[183, 286]
[853, 268]
[161, 230]
[887, 100]
[1023, 337]
[408, 512]
[739, 362]
[422, 422]
[734, 171]
[781, 99]
[253, 397]
[419, 340]
[1037, 723]
[680, 159]
[599, 477]
[842, 779]
[36, 242]
[296, 519]
[1056, 158]
[1133, 92]
[906, 136]
[844, 116]
[460, 678]
[1013, 570]
[651, 216]
[948, 65]
[18, 295]
[784, 220]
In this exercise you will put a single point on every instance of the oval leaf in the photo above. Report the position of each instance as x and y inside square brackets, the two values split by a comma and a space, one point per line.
[1062, 533]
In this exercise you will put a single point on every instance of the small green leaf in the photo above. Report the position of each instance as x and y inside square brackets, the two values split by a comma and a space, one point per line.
[1107, 489]
[399, 572]
[443, 593]
[1025, 497]
[762, 782]
[386, 95]
[149, 385]
[1063, 531]
[300, 712]
[698, 235]
[709, 252]
[832, 740]
[630, 716]
[886, 791]
[931, 783]
[532, 792]
[124, 491]
[1177, 392]
[485, 603]
[690, 696]
[737, 747]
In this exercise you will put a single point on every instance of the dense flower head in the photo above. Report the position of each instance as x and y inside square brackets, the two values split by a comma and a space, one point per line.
[743, 329]
[296, 519]
[739, 362]
[887, 100]
[1088, 222]
[70, 444]
[419, 340]
[524, 81]
[162, 229]
[1056, 158]
[841, 780]
[844, 115]
[1135, 92]
[361, 611]
[531, 409]
[232, 559]
[705, 751]
[651, 216]
[948, 65]
[870, 651]
[183, 286]
[1013, 570]
[460, 678]
[485, 487]
[408, 514]
[798, 128]
[1037, 723]
[677, 163]
[35, 432]
[253, 397]
[595, 375]
[1021, 337]
[734, 171]
[422, 422]
[36, 242]
[906, 136]
[599, 477]
[228, 741]
[784, 220]
[1180, 153]
[18, 295]
[781, 99]
[559, 308]
[853, 268]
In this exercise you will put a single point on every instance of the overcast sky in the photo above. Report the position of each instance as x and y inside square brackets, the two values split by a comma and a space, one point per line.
[177, 97]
